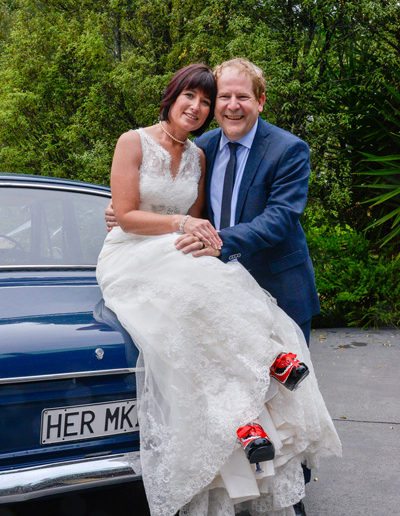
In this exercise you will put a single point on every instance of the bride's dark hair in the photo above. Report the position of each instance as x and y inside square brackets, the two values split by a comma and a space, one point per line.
[194, 76]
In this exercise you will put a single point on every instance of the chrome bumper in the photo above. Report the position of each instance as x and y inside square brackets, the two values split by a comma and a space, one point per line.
[50, 479]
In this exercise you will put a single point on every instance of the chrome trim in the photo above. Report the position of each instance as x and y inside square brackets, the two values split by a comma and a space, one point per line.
[48, 267]
[78, 189]
[66, 376]
[49, 479]
[52, 285]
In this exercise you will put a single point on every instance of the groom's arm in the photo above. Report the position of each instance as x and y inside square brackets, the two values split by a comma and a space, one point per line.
[285, 204]
[283, 207]
[109, 217]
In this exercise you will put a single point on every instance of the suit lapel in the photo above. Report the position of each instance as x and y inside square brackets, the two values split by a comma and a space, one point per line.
[256, 154]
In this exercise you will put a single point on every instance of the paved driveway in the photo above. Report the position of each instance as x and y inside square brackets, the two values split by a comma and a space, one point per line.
[359, 375]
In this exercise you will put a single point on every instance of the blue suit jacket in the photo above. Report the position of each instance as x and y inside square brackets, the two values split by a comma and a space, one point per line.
[267, 237]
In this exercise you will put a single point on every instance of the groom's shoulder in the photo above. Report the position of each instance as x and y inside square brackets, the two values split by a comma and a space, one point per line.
[203, 140]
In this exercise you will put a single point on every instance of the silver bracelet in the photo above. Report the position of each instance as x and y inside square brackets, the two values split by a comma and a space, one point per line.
[181, 228]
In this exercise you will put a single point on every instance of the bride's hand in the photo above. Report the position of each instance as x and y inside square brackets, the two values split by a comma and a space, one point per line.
[193, 245]
[203, 230]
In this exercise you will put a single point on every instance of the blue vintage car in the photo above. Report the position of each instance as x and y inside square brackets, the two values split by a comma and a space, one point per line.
[68, 417]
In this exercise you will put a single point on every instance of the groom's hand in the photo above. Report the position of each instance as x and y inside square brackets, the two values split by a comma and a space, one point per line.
[192, 244]
[109, 217]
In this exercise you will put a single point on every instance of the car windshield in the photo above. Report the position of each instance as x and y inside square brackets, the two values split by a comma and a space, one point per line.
[50, 227]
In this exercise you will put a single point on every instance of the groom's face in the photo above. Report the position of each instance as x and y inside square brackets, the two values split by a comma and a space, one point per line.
[237, 107]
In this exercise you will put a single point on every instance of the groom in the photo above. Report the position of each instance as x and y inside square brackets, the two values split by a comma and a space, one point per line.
[257, 209]
[258, 213]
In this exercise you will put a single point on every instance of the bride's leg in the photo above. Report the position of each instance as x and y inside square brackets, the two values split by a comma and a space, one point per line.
[290, 372]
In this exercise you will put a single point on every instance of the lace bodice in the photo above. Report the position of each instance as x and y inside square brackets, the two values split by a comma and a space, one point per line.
[160, 192]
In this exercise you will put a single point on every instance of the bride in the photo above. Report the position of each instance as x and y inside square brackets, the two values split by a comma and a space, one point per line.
[208, 335]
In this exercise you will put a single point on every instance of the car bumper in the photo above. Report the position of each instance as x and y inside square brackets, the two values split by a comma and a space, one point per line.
[51, 479]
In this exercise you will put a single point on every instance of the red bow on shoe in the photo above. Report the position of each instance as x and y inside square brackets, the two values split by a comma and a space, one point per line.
[248, 431]
[286, 359]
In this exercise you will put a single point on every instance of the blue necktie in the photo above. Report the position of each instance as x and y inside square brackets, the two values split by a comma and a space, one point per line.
[229, 181]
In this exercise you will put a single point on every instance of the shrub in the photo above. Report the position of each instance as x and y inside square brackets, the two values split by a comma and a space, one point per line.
[356, 287]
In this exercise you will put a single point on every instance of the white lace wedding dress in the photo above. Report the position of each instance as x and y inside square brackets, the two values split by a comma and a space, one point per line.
[208, 335]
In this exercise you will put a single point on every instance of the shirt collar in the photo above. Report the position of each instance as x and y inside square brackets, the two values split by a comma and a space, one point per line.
[246, 140]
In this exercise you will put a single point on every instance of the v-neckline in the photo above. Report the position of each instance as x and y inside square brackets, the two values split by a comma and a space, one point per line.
[168, 154]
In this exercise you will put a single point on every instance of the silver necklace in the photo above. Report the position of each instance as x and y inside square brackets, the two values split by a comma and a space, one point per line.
[170, 135]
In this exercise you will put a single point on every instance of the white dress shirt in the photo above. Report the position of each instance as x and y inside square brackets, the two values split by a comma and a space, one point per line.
[217, 179]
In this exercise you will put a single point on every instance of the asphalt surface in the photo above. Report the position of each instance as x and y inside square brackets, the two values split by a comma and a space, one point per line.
[359, 375]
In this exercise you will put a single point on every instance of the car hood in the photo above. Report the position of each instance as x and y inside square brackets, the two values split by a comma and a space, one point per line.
[57, 324]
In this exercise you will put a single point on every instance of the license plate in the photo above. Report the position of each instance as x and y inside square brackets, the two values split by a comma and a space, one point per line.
[88, 421]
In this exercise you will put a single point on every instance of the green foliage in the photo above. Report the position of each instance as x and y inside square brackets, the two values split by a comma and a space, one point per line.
[356, 286]
[74, 75]
[386, 178]
[380, 173]
[55, 95]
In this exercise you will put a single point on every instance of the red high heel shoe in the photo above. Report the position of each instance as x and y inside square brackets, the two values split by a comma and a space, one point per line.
[256, 443]
[288, 370]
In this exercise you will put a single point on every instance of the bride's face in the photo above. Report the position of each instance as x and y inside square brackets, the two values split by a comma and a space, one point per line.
[190, 109]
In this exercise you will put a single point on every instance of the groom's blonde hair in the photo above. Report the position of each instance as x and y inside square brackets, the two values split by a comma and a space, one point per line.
[247, 67]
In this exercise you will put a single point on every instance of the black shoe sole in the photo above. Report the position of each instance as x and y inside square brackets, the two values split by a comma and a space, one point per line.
[299, 509]
[262, 454]
[292, 382]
